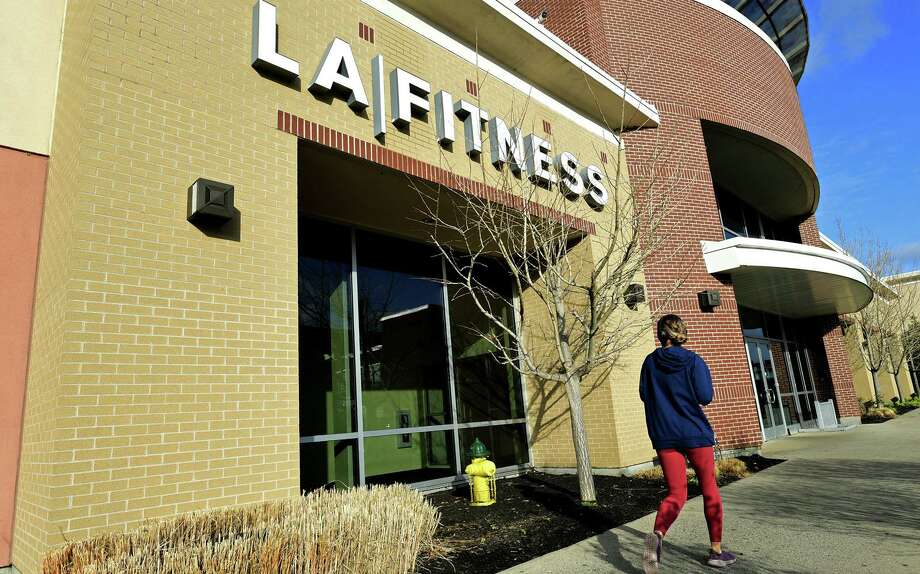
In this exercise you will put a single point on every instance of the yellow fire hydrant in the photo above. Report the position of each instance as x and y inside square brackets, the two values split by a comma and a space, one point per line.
[481, 475]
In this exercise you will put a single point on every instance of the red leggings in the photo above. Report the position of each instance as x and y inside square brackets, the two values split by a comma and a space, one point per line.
[675, 474]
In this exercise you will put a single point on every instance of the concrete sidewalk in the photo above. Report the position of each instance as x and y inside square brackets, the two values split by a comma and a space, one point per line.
[844, 502]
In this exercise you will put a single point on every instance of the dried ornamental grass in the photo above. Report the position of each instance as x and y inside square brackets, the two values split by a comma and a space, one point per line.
[377, 530]
[725, 467]
[882, 412]
[732, 467]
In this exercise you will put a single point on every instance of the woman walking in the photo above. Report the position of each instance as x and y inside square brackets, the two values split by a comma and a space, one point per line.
[673, 385]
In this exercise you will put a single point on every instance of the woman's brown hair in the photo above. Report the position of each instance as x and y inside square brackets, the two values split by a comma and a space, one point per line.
[672, 328]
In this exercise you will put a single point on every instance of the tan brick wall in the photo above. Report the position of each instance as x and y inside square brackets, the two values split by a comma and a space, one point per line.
[38, 484]
[163, 375]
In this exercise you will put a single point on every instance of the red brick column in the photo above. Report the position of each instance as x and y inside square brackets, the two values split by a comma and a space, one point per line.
[696, 63]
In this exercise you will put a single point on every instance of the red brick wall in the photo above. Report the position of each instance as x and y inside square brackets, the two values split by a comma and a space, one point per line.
[695, 63]
[809, 231]
[580, 21]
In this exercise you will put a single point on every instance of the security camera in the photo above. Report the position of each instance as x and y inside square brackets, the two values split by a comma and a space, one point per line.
[542, 17]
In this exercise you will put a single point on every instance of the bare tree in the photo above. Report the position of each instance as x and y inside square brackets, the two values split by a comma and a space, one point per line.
[575, 259]
[904, 342]
[879, 323]
[911, 340]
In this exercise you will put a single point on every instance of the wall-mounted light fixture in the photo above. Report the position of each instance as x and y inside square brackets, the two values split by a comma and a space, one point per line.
[210, 201]
[634, 295]
[709, 299]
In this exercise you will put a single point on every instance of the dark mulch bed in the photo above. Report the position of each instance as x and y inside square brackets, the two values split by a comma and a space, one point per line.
[874, 420]
[538, 513]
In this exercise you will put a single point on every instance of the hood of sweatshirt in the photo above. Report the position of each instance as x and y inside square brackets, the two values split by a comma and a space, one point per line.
[673, 359]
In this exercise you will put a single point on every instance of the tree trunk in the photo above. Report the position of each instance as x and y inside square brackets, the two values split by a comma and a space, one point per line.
[580, 438]
[878, 393]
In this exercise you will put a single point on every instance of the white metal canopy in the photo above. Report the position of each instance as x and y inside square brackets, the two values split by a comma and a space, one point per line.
[790, 279]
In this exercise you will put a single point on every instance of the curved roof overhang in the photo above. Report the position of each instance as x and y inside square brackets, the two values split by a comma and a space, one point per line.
[763, 173]
[790, 279]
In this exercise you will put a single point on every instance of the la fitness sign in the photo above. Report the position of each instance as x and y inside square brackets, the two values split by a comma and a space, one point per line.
[410, 96]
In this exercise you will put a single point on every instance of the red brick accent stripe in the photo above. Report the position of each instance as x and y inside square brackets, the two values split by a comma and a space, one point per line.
[316, 133]
[366, 32]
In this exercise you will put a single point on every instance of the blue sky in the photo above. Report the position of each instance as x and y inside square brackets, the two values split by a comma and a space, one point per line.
[861, 98]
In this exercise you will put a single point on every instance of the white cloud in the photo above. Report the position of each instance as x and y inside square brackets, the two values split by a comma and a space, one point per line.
[909, 255]
[846, 29]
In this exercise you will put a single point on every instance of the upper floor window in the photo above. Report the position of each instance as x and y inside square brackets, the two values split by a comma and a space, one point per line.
[741, 220]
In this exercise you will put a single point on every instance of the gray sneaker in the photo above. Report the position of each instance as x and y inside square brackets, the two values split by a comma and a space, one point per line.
[652, 555]
[721, 560]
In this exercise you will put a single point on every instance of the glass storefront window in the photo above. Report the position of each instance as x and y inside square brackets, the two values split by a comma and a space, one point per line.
[732, 212]
[752, 322]
[393, 291]
[741, 220]
[487, 388]
[507, 443]
[327, 378]
[329, 463]
[408, 458]
[403, 348]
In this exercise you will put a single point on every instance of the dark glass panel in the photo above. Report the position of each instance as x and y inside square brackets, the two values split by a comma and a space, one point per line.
[783, 376]
[487, 387]
[330, 463]
[773, 326]
[768, 29]
[789, 408]
[408, 458]
[752, 322]
[759, 383]
[507, 443]
[753, 223]
[403, 348]
[732, 211]
[753, 11]
[794, 37]
[797, 63]
[785, 14]
[325, 329]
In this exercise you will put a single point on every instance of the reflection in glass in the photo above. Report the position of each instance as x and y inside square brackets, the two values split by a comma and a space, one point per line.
[408, 458]
[507, 443]
[752, 322]
[324, 319]
[403, 348]
[331, 463]
[757, 373]
[789, 408]
[487, 389]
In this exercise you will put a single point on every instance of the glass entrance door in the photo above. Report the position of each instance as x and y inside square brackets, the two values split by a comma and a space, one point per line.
[763, 373]
[803, 385]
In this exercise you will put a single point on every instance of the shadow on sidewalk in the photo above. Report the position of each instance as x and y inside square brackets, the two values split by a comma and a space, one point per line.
[846, 495]
[675, 556]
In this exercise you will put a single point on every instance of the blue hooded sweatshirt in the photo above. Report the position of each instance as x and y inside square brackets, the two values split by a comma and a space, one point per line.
[673, 385]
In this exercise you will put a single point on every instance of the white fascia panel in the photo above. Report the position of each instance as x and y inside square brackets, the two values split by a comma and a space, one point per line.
[467, 53]
[740, 252]
[524, 21]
